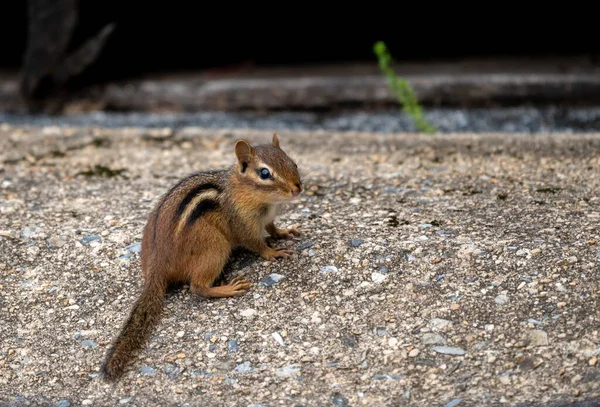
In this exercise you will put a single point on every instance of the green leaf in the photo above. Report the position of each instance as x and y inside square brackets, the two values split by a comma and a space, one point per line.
[401, 88]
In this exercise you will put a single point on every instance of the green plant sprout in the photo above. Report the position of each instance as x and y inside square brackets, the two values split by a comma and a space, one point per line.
[401, 88]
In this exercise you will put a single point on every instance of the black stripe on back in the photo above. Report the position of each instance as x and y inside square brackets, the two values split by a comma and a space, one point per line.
[192, 193]
[200, 209]
[166, 197]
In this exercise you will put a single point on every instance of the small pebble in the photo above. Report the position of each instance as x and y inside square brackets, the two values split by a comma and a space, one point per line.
[248, 312]
[538, 337]
[356, 242]
[56, 242]
[454, 307]
[232, 345]
[501, 299]
[271, 279]
[432, 339]
[180, 334]
[92, 240]
[572, 260]
[329, 269]
[378, 277]
[244, 368]
[449, 350]
[28, 232]
[134, 248]
[414, 353]
[593, 361]
[287, 371]
[147, 370]
[439, 324]
[386, 377]
[278, 338]
[453, 403]
[88, 343]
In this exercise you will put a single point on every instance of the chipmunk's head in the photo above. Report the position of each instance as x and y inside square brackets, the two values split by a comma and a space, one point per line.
[271, 171]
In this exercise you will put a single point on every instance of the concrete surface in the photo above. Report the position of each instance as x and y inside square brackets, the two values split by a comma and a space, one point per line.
[446, 270]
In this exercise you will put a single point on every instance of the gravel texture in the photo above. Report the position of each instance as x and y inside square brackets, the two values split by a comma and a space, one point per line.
[446, 270]
[550, 119]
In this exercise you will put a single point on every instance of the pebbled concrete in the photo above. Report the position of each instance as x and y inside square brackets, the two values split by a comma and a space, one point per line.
[459, 268]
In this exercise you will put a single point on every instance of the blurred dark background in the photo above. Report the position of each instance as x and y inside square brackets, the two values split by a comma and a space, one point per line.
[186, 36]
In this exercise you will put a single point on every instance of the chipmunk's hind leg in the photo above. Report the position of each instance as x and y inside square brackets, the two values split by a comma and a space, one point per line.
[207, 267]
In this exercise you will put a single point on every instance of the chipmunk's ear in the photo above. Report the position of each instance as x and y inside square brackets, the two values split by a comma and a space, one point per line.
[244, 153]
[275, 140]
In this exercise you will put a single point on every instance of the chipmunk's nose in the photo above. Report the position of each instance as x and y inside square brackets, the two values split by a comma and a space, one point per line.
[296, 191]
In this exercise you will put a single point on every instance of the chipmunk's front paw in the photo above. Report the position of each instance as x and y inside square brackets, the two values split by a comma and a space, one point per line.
[272, 254]
[287, 233]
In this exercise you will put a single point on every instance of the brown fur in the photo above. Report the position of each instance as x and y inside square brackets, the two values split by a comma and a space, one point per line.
[184, 244]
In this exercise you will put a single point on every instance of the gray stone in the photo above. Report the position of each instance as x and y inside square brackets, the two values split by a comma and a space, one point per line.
[449, 350]
[91, 240]
[134, 248]
[432, 339]
[88, 343]
[287, 371]
[171, 370]
[56, 242]
[501, 299]
[271, 279]
[339, 400]
[538, 337]
[439, 324]
[147, 370]
[201, 372]
[453, 403]
[386, 377]
[29, 231]
[232, 345]
[244, 368]
[349, 340]
[356, 242]
[304, 245]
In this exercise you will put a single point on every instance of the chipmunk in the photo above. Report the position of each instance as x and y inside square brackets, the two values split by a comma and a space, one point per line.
[193, 229]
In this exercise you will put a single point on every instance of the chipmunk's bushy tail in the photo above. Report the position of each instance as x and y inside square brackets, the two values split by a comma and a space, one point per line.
[142, 318]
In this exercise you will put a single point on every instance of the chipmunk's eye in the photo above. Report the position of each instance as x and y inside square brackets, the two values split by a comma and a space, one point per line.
[264, 173]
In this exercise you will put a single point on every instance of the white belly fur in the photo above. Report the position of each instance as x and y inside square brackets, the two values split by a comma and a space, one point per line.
[272, 213]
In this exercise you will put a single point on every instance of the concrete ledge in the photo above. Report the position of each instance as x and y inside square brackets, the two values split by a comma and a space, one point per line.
[468, 83]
